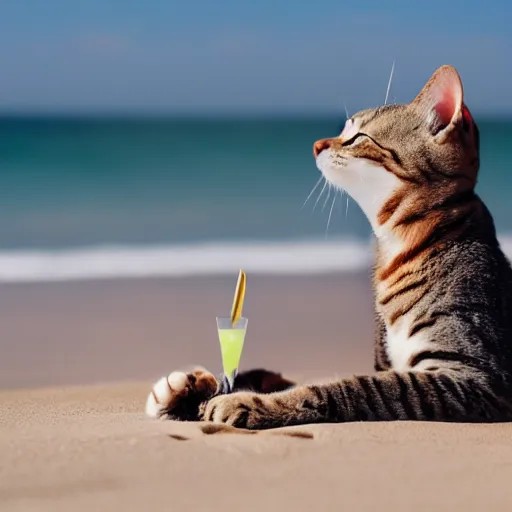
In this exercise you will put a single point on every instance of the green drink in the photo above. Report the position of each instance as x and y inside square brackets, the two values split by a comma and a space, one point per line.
[231, 338]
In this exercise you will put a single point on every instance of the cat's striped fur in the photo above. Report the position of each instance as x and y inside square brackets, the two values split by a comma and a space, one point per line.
[443, 287]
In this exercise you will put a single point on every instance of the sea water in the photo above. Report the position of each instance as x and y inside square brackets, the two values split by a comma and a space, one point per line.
[87, 198]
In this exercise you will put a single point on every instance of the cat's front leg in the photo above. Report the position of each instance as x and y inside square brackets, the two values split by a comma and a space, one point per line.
[184, 396]
[179, 395]
[260, 411]
[437, 395]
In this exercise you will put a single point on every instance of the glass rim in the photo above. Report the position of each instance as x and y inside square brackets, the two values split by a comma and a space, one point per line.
[226, 321]
[229, 318]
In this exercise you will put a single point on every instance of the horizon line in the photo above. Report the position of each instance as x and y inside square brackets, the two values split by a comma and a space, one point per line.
[126, 113]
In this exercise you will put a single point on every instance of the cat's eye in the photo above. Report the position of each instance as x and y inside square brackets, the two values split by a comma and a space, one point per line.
[358, 137]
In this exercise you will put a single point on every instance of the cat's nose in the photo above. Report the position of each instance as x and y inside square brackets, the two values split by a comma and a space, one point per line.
[321, 145]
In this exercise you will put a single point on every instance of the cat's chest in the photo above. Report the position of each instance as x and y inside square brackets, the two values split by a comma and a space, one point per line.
[401, 347]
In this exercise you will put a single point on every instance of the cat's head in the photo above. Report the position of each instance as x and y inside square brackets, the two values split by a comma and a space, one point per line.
[405, 156]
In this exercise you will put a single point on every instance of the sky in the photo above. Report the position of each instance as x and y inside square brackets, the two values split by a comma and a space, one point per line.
[247, 56]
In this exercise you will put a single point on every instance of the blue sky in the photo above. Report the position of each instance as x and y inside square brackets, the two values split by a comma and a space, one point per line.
[238, 55]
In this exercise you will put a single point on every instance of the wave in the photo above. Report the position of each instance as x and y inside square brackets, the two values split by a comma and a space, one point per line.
[116, 262]
[109, 262]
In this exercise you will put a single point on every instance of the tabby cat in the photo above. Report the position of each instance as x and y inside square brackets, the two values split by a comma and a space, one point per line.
[443, 287]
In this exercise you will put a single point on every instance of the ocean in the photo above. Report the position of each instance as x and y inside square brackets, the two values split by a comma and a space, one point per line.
[88, 198]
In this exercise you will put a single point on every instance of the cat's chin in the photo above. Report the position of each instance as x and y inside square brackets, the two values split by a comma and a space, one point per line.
[367, 183]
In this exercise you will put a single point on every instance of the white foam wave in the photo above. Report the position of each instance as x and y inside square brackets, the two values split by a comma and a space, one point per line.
[286, 258]
[184, 260]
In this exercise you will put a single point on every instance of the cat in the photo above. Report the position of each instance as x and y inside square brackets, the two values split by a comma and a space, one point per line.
[442, 285]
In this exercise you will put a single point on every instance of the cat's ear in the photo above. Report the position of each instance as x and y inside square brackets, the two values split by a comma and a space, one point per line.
[440, 102]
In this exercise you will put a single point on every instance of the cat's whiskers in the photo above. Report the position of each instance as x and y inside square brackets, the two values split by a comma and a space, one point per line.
[346, 109]
[389, 82]
[328, 196]
[320, 195]
[312, 191]
[330, 214]
[343, 193]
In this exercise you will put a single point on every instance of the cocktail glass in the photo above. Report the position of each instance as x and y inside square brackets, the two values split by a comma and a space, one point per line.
[231, 338]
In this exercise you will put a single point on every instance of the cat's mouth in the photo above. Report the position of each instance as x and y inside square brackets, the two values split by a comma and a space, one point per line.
[330, 166]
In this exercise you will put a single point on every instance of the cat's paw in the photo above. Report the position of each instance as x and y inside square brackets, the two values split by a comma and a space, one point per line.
[179, 395]
[243, 410]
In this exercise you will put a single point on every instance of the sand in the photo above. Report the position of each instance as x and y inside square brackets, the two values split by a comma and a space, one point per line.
[77, 363]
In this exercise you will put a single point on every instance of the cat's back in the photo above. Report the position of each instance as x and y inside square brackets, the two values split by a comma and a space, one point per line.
[472, 268]
[470, 281]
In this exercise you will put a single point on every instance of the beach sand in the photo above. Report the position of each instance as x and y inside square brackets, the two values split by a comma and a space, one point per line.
[78, 359]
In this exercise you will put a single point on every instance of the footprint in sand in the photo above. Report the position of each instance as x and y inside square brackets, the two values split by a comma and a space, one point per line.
[213, 428]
